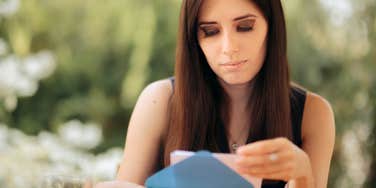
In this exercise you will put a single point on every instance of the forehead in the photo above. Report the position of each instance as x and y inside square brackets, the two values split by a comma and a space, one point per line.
[216, 10]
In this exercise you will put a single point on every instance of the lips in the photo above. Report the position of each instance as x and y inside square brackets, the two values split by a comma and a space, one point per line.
[233, 66]
[233, 63]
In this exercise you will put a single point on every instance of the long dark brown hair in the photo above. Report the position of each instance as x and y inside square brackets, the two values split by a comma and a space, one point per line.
[198, 100]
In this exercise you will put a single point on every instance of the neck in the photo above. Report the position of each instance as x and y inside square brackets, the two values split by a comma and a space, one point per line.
[238, 94]
[237, 124]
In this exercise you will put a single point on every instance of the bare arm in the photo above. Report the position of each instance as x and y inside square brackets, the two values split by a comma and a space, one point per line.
[145, 130]
[318, 134]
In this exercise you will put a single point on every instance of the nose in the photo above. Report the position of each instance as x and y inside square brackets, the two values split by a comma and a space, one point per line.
[229, 46]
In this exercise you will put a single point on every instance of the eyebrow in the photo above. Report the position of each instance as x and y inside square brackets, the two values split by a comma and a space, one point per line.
[235, 19]
[245, 16]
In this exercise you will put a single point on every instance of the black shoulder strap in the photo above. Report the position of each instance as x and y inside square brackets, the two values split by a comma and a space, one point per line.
[172, 79]
[297, 99]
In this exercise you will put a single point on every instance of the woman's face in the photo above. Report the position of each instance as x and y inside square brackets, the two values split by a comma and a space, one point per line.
[233, 36]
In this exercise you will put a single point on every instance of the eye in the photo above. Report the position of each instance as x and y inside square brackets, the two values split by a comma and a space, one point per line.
[244, 28]
[209, 30]
[245, 25]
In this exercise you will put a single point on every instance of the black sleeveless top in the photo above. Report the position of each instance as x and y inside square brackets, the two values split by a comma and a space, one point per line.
[297, 101]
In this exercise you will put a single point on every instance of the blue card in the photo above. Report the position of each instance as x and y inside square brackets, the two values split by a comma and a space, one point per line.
[201, 170]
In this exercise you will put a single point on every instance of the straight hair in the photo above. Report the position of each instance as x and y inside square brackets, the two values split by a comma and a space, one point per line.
[199, 104]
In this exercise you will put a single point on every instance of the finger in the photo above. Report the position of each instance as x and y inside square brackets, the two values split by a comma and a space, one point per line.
[262, 147]
[262, 160]
[267, 169]
[281, 172]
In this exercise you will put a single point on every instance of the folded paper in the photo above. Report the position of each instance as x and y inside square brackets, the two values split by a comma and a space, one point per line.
[200, 170]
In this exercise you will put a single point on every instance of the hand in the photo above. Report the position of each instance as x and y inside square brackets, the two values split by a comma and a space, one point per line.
[117, 184]
[275, 159]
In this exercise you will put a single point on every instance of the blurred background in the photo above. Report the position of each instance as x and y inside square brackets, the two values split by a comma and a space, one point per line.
[71, 71]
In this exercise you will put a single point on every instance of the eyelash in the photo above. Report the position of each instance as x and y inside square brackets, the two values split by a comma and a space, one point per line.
[216, 31]
[245, 29]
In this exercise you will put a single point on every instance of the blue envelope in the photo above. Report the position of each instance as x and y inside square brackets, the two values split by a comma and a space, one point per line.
[201, 170]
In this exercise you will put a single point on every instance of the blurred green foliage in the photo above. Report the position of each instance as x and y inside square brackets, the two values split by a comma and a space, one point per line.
[107, 51]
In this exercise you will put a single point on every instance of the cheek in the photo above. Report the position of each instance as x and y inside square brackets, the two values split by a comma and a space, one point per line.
[256, 53]
[255, 49]
[210, 51]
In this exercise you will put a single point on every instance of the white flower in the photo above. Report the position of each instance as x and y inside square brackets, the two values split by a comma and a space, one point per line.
[9, 7]
[26, 160]
[13, 81]
[19, 77]
[106, 164]
[83, 136]
[3, 138]
[39, 66]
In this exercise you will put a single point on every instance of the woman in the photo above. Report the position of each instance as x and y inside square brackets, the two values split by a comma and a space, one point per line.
[232, 93]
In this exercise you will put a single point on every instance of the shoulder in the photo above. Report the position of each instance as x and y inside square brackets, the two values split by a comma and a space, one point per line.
[146, 128]
[318, 136]
[160, 90]
[155, 97]
[152, 107]
[318, 116]
[317, 106]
